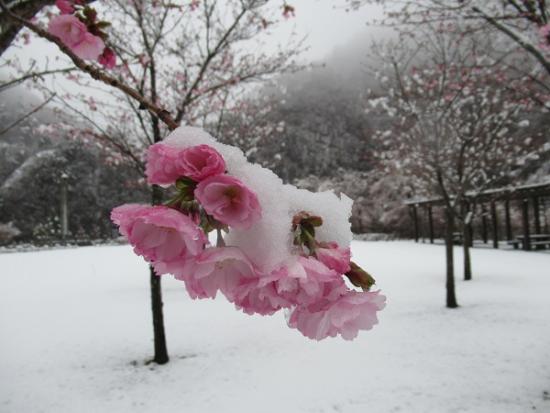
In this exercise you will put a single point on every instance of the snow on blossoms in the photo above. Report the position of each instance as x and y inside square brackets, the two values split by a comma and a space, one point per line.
[278, 247]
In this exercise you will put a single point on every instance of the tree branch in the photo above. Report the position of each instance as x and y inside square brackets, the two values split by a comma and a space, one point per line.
[21, 119]
[95, 72]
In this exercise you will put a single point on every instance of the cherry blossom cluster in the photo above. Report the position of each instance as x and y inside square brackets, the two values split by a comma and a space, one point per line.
[79, 29]
[173, 237]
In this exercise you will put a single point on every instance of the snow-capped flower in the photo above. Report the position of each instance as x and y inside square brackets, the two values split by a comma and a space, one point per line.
[200, 162]
[347, 315]
[165, 164]
[163, 236]
[229, 201]
[75, 35]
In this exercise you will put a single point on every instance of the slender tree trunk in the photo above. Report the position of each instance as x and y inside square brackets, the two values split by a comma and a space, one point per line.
[451, 297]
[161, 351]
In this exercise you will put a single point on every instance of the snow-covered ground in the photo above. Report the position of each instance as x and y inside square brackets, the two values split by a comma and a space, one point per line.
[75, 330]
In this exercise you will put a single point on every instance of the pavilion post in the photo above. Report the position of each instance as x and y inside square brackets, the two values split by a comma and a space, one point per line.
[536, 213]
[466, 239]
[415, 223]
[484, 225]
[525, 213]
[495, 223]
[431, 224]
[509, 235]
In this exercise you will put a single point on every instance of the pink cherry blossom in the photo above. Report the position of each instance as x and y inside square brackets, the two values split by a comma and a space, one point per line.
[299, 281]
[200, 162]
[90, 48]
[65, 6]
[163, 236]
[229, 201]
[74, 34]
[306, 279]
[107, 59]
[334, 257]
[224, 269]
[262, 296]
[347, 315]
[161, 164]
[165, 163]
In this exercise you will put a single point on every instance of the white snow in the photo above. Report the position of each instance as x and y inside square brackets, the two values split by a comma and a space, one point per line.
[269, 242]
[75, 330]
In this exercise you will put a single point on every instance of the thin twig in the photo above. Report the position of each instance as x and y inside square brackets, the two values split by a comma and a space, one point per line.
[21, 119]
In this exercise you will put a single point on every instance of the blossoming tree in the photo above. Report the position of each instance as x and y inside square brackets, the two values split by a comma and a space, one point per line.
[520, 29]
[185, 62]
[454, 130]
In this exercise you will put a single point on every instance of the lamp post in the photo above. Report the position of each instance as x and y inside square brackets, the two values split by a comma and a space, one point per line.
[64, 212]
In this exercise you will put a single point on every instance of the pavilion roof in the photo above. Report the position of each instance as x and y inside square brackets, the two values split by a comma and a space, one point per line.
[494, 194]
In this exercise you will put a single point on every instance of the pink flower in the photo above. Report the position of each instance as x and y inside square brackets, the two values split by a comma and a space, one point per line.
[163, 236]
[298, 282]
[74, 34]
[161, 164]
[165, 164]
[334, 257]
[352, 312]
[306, 279]
[107, 59]
[224, 269]
[90, 48]
[65, 6]
[262, 296]
[200, 162]
[229, 201]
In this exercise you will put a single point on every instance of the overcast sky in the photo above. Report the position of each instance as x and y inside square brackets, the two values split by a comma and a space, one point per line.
[328, 25]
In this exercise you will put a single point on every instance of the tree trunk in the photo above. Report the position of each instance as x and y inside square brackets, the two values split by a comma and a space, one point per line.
[451, 297]
[466, 248]
[161, 351]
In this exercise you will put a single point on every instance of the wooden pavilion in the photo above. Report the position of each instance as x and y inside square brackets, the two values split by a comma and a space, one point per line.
[535, 232]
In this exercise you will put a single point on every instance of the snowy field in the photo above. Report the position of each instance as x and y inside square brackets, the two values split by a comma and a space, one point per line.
[75, 331]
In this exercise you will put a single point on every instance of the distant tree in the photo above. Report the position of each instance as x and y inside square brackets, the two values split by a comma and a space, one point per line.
[520, 30]
[456, 131]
